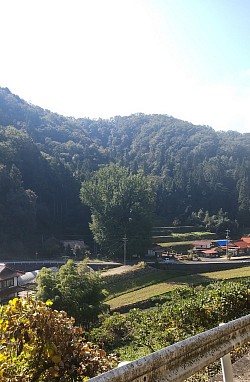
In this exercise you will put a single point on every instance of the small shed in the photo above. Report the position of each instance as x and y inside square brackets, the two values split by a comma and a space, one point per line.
[210, 253]
[156, 251]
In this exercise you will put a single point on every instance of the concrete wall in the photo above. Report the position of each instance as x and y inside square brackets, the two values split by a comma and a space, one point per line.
[202, 266]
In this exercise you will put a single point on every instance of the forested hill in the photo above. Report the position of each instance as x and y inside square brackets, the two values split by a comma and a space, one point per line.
[45, 156]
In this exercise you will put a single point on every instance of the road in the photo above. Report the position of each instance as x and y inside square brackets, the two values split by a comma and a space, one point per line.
[29, 265]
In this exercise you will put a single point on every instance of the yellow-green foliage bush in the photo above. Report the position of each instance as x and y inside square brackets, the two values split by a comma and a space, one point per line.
[42, 344]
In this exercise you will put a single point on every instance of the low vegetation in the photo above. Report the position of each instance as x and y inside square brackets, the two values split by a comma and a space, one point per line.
[166, 307]
[40, 343]
[136, 278]
[186, 312]
[163, 282]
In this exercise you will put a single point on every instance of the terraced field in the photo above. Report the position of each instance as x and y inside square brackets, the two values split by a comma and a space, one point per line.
[160, 283]
[181, 238]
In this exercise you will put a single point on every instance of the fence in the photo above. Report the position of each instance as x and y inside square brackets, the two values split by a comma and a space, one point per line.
[179, 361]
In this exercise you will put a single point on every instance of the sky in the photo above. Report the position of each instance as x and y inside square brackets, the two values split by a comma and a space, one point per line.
[100, 58]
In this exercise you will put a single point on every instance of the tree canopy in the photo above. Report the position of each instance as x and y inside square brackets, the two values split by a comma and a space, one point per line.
[121, 204]
[75, 290]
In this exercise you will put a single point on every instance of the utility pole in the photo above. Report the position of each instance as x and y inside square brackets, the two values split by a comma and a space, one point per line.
[95, 248]
[124, 248]
[227, 239]
[125, 240]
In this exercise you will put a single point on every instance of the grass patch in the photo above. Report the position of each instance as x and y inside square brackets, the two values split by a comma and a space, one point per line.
[180, 229]
[191, 236]
[159, 288]
[194, 235]
[238, 273]
[176, 244]
[142, 294]
[141, 282]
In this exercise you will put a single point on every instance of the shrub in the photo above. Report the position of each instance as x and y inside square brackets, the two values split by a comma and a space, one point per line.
[41, 344]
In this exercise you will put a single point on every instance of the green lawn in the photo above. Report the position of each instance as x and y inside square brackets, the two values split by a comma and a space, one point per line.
[145, 291]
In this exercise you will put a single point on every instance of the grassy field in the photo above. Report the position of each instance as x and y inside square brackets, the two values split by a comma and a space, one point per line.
[171, 229]
[156, 284]
[194, 235]
[176, 244]
[188, 236]
[182, 242]
[180, 238]
[141, 282]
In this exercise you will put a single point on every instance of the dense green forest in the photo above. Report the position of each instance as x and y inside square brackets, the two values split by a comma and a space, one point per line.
[45, 157]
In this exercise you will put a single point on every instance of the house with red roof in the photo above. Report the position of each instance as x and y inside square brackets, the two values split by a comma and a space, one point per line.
[205, 248]
[242, 246]
[246, 240]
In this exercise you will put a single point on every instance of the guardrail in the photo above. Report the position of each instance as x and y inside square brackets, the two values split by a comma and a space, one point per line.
[179, 361]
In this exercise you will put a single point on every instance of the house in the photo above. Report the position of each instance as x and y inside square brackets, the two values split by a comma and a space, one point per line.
[156, 251]
[202, 244]
[242, 247]
[229, 247]
[9, 287]
[246, 239]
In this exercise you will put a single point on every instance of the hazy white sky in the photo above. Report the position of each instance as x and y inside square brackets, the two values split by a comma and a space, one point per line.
[101, 58]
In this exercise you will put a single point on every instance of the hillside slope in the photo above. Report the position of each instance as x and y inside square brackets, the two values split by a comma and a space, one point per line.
[193, 167]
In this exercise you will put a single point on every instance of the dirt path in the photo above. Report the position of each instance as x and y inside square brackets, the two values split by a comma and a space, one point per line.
[118, 270]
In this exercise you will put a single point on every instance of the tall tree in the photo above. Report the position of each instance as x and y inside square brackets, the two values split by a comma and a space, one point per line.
[17, 208]
[244, 201]
[121, 204]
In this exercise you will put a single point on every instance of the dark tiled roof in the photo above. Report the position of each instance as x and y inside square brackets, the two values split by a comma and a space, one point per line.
[7, 273]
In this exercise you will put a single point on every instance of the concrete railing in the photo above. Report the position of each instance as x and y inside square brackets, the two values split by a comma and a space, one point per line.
[177, 362]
